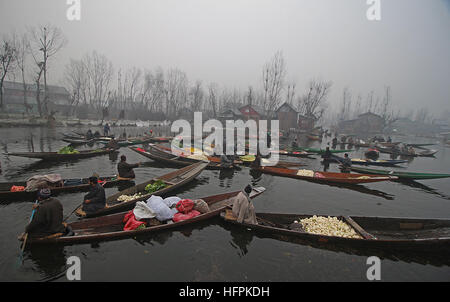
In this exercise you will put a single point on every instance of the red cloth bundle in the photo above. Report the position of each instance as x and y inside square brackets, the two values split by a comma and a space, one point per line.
[180, 216]
[185, 206]
[130, 222]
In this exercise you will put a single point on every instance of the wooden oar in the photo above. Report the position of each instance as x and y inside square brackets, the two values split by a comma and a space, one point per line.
[26, 236]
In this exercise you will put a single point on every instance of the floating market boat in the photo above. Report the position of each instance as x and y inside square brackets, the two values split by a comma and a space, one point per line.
[385, 233]
[74, 142]
[400, 174]
[111, 227]
[165, 157]
[65, 186]
[164, 184]
[318, 151]
[369, 162]
[55, 156]
[294, 153]
[130, 142]
[425, 153]
[325, 177]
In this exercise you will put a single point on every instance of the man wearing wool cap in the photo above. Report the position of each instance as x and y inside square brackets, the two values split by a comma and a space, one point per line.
[48, 218]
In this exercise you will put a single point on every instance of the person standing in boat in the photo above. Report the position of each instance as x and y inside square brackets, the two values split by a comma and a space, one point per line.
[243, 207]
[95, 200]
[48, 218]
[125, 169]
[106, 129]
[346, 164]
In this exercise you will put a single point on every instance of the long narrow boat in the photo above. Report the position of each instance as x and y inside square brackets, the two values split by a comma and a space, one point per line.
[181, 152]
[384, 233]
[111, 227]
[318, 151]
[325, 177]
[173, 160]
[294, 153]
[173, 180]
[425, 153]
[130, 142]
[73, 141]
[399, 174]
[6, 195]
[369, 162]
[55, 156]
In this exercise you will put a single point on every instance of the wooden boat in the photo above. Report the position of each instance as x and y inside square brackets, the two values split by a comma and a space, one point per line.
[420, 146]
[6, 195]
[325, 177]
[173, 180]
[384, 233]
[181, 152]
[111, 227]
[130, 142]
[294, 153]
[369, 162]
[73, 141]
[319, 151]
[55, 156]
[399, 174]
[162, 156]
[425, 153]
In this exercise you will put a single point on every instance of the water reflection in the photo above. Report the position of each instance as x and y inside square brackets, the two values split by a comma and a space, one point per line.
[243, 237]
[49, 261]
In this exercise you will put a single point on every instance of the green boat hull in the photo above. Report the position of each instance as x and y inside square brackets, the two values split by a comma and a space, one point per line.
[401, 175]
[319, 151]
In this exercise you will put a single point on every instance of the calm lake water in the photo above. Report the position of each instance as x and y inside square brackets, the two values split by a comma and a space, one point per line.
[214, 250]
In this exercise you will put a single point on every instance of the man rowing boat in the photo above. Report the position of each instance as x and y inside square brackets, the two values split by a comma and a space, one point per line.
[48, 218]
[95, 200]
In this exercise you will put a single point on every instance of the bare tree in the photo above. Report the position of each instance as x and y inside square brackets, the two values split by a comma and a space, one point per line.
[212, 98]
[75, 77]
[7, 60]
[99, 71]
[313, 103]
[290, 94]
[274, 73]
[48, 40]
[22, 53]
[197, 94]
[175, 91]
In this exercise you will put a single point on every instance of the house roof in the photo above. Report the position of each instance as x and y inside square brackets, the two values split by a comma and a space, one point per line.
[32, 87]
[258, 109]
[289, 106]
[369, 113]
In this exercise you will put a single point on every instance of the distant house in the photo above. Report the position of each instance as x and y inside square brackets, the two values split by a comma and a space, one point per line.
[230, 114]
[252, 112]
[14, 101]
[287, 116]
[369, 123]
[290, 118]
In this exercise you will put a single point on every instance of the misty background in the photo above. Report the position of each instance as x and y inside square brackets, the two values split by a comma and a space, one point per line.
[228, 42]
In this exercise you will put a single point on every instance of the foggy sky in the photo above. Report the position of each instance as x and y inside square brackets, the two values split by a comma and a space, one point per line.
[228, 41]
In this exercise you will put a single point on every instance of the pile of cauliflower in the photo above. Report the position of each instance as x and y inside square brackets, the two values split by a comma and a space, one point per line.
[329, 226]
[126, 198]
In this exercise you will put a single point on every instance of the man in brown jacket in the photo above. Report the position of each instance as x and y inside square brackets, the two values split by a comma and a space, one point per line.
[243, 207]
[48, 218]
